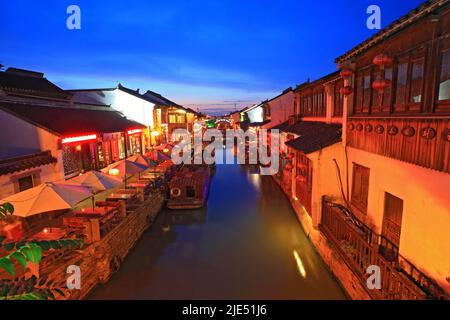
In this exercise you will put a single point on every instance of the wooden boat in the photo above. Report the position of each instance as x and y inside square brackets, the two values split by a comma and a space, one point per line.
[189, 187]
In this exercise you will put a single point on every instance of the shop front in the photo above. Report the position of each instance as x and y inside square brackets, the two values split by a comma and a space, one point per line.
[134, 142]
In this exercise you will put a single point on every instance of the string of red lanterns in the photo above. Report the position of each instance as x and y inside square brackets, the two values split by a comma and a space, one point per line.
[382, 60]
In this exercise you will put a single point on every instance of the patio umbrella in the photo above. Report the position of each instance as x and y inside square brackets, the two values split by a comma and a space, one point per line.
[167, 146]
[139, 159]
[123, 168]
[95, 180]
[160, 156]
[47, 197]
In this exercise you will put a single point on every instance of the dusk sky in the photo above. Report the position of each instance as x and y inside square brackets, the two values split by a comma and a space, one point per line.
[207, 54]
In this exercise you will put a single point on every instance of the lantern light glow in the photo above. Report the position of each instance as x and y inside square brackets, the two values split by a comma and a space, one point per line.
[134, 131]
[114, 172]
[79, 138]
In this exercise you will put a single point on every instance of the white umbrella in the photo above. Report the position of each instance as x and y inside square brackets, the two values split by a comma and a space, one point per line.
[96, 181]
[47, 197]
[123, 168]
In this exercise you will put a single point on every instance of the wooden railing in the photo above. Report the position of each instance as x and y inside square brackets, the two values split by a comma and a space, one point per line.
[361, 247]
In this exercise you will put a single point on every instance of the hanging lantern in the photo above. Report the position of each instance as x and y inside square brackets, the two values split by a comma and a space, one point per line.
[346, 73]
[346, 90]
[381, 84]
[382, 60]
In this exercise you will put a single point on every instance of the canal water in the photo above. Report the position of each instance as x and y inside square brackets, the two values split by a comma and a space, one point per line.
[245, 244]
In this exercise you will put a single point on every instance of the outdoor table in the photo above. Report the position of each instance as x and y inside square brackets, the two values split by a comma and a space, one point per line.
[48, 234]
[120, 196]
[147, 177]
[93, 213]
[138, 185]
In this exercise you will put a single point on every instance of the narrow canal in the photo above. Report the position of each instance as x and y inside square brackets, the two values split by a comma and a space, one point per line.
[246, 244]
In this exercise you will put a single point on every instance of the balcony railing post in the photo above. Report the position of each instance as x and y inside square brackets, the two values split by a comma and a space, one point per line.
[360, 246]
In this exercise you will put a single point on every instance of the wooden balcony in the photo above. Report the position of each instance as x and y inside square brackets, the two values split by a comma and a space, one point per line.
[421, 141]
[360, 247]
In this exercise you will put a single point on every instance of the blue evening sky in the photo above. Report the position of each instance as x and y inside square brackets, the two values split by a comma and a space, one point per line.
[210, 54]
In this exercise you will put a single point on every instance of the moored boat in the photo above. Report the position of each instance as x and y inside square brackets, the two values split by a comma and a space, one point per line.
[189, 187]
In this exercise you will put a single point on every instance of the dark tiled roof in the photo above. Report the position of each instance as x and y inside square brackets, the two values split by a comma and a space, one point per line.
[66, 121]
[411, 17]
[329, 77]
[26, 162]
[166, 101]
[285, 91]
[155, 98]
[313, 135]
[31, 83]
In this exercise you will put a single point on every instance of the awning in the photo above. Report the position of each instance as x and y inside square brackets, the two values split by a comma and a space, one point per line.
[70, 121]
[313, 136]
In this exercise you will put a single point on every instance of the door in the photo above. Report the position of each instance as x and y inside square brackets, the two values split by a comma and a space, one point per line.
[392, 219]
[303, 181]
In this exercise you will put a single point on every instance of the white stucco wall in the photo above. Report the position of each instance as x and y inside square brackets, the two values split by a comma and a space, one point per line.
[18, 138]
[425, 232]
[281, 108]
[256, 114]
[132, 107]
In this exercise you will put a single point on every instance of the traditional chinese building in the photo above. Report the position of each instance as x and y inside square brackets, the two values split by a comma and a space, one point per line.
[132, 104]
[48, 137]
[280, 108]
[397, 136]
[170, 116]
[378, 194]
[309, 141]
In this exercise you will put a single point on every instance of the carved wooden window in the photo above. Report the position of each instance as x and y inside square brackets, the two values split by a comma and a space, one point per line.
[25, 183]
[387, 93]
[444, 77]
[338, 99]
[190, 192]
[172, 118]
[360, 187]
[401, 84]
[416, 81]
[359, 93]
[367, 83]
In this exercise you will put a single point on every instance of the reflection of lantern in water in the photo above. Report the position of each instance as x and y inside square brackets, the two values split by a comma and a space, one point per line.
[300, 266]
[114, 172]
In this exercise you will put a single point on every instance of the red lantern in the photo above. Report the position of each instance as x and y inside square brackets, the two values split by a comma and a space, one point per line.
[382, 60]
[346, 73]
[381, 84]
[346, 90]
[290, 156]
[288, 166]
